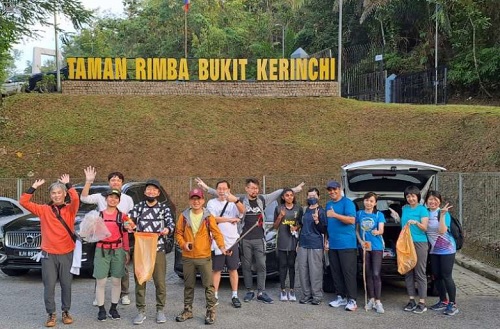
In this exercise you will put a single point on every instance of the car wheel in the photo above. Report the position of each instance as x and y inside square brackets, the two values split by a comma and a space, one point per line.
[11, 272]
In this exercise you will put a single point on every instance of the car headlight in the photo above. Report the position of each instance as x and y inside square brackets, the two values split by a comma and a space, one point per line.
[271, 240]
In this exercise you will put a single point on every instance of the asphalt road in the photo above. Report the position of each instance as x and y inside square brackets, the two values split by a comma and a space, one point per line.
[478, 299]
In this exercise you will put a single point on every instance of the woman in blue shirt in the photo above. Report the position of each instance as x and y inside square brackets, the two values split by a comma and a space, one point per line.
[417, 216]
[442, 253]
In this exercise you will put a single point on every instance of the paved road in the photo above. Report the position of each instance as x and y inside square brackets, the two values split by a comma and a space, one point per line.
[479, 301]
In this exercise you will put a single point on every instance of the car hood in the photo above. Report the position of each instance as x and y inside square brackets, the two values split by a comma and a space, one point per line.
[25, 223]
[386, 177]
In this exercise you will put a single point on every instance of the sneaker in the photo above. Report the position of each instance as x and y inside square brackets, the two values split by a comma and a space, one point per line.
[160, 317]
[351, 305]
[370, 305]
[113, 314]
[439, 306]
[210, 317]
[94, 303]
[236, 302]
[263, 297]
[305, 300]
[125, 300]
[249, 296]
[186, 314]
[315, 301]
[339, 301]
[291, 296]
[101, 315]
[421, 308]
[411, 306]
[379, 308]
[140, 317]
[51, 320]
[283, 296]
[451, 309]
[66, 318]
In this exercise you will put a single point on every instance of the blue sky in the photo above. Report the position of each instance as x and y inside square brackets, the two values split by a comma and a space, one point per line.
[47, 36]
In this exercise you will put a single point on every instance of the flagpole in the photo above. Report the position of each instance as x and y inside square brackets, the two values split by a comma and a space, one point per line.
[185, 35]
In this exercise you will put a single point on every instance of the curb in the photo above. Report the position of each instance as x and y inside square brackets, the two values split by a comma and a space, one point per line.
[478, 267]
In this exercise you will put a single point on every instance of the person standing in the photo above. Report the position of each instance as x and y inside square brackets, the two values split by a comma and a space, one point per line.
[115, 180]
[342, 244]
[442, 253]
[152, 216]
[311, 249]
[227, 210]
[57, 225]
[194, 231]
[417, 216]
[286, 219]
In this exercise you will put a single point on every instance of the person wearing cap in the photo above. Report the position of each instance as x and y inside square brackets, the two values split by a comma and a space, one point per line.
[109, 256]
[56, 218]
[342, 244]
[115, 181]
[194, 232]
[153, 216]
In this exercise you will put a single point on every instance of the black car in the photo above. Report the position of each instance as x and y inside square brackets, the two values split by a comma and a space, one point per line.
[35, 78]
[21, 238]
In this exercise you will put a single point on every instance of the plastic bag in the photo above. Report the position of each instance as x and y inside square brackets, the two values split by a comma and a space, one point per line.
[405, 250]
[92, 227]
[144, 255]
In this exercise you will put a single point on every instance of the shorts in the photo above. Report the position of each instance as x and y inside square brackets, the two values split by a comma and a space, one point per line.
[232, 262]
[112, 263]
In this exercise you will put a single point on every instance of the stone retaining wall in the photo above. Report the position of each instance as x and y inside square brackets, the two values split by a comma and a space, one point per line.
[232, 89]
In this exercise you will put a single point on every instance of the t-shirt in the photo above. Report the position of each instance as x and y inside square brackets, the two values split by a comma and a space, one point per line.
[287, 241]
[417, 214]
[367, 223]
[117, 235]
[229, 230]
[195, 221]
[252, 214]
[341, 235]
[441, 244]
[126, 202]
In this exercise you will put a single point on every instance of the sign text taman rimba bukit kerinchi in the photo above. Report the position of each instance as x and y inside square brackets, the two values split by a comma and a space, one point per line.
[169, 69]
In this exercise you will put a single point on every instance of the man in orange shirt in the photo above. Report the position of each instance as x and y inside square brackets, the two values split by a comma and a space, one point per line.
[56, 218]
[192, 233]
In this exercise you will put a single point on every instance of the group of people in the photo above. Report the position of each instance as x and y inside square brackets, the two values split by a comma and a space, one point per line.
[211, 238]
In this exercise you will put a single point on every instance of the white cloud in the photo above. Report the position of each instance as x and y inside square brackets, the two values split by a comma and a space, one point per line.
[47, 35]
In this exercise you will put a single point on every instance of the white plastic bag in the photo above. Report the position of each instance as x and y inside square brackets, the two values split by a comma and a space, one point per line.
[92, 227]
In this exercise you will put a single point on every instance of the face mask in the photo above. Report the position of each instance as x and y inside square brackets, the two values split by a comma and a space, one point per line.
[150, 198]
[312, 201]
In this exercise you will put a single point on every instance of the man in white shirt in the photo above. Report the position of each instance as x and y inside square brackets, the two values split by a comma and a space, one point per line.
[115, 180]
[227, 210]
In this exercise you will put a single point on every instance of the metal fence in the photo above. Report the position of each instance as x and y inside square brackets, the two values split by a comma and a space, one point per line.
[475, 198]
[420, 87]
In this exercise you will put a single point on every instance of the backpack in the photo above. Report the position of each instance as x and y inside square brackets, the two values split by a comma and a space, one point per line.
[456, 231]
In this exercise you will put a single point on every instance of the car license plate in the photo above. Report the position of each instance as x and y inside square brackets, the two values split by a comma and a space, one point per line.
[28, 253]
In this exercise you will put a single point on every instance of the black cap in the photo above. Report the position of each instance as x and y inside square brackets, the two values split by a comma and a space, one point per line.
[153, 182]
[111, 192]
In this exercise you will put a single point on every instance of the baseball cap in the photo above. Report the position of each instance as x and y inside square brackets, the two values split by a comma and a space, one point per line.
[332, 184]
[113, 191]
[196, 192]
[153, 182]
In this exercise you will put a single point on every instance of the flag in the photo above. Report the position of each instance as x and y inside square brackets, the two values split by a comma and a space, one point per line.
[186, 5]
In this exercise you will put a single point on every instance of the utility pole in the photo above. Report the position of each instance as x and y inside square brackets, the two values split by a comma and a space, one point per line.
[339, 57]
[58, 65]
[436, 57]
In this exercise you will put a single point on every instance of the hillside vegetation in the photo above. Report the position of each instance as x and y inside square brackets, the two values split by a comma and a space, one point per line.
[46, 135]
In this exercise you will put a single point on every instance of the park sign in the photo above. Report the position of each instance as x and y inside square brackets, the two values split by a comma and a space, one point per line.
[202, 69]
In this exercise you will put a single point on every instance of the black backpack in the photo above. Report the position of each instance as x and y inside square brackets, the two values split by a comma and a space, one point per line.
[456, 231]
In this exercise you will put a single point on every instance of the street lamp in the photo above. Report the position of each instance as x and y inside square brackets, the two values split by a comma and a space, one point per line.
[282, 39]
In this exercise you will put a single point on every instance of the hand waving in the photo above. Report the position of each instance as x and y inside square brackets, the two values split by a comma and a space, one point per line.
[38, 183]
[90, 174]
[64, 178]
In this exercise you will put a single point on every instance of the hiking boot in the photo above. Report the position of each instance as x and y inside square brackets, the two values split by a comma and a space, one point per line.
[411, 306]
[51, 320]
[186, 314]
[113, 314]
[451, 309]
[263, 297]
[421, 308]
[140, 317]
[283, 296]
[291, 296]
[351, 305]
[379, 308]
[66, 318]
[315, 301]
[439, 306]
[370, 305]
[339, 301]
[210, 317]
[305, 300]
[236, 302]
[249, 296]
[125, 300]
[160, 317]
[101, 315]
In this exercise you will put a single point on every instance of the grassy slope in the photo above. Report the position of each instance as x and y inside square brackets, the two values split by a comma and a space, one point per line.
[213, 137]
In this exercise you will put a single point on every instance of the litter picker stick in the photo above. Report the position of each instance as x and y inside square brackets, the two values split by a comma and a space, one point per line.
[364, 269]
[243, 235]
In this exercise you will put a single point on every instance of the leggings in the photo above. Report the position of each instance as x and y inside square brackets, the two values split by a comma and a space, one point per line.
[373, 265]
[287, 266]
[442, 267]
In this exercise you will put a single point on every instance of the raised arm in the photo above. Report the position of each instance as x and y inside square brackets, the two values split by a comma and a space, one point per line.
[25, 199]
